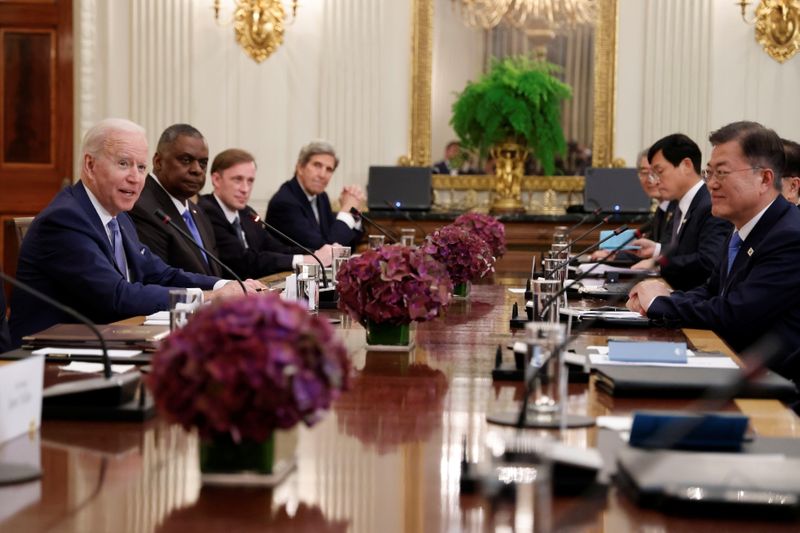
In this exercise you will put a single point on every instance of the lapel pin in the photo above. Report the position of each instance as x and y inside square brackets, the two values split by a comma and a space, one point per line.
[749, 252]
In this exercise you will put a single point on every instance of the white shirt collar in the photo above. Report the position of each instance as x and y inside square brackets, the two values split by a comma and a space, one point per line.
[745, 230]
[102, 212]
[229, 213]
[686, 199]
[663, 205]
[180, 206]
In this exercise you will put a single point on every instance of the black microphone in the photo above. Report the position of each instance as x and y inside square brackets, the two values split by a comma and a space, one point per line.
[269, 227]
[604, 220]
[107, 390]
[407, 217]
[165, 218]
[583, 219]
[356, 213]
[589, 249]
[662, 260]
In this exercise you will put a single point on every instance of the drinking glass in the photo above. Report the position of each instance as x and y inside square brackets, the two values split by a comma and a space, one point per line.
[407, 236]
[183, 303]
[339, 256]
[376, 241]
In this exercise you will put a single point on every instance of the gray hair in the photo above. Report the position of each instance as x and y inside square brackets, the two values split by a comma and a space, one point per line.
[96, 138]
[316, 148]
[642, 155]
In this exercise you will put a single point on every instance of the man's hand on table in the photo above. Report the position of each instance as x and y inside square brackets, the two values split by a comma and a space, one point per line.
[643, 294]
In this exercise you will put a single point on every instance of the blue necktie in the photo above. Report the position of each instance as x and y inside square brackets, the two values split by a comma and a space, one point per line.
[116, 246]
[733, 249]
[187, 217]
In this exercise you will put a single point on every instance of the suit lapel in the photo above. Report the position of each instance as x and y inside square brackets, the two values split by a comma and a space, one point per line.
[298, 193]
[699, 198]
[206, 235]
[79, 191]
[749, 247]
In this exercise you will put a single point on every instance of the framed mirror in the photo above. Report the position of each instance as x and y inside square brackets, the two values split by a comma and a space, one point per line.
[551, 192]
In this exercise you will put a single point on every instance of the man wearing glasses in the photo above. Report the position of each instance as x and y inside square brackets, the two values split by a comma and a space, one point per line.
[695, 238]
[753, 292]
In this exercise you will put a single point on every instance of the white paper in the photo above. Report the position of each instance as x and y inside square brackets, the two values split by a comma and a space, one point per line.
[516, 290]
[92, 368]
[694, 362]
[160, 315]
[87, 351]
[21, 385]
[615, 423]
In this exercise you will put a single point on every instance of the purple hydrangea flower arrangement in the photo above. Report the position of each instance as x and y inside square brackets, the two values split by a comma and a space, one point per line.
[466, 256]
[246, 366]
[487, 228]
[393, 285]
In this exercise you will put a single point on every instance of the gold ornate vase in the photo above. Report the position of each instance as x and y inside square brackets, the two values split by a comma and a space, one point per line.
[509, 168]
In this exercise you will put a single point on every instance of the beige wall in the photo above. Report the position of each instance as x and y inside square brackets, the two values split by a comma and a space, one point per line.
[693, 66]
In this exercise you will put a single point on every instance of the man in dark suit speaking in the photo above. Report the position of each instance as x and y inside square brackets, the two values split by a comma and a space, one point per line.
[696, 236]
[82, 249]
[301, 208]
[754, 289]
[243, 244]
[179, 172]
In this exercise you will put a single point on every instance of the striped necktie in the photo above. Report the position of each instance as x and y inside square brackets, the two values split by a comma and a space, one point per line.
[116, 246]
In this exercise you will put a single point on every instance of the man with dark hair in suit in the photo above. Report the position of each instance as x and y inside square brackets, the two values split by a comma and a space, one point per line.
[790, 179]
[754, 290]
[696, 235]
[243, 244]
[301, 208]
[82, 249]
[179, 173]
[451, 164]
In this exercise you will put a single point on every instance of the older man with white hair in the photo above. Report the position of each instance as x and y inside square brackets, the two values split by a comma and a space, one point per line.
[83, 251]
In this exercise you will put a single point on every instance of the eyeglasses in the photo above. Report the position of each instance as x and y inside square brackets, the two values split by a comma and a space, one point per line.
[653, 176]
[708, 174]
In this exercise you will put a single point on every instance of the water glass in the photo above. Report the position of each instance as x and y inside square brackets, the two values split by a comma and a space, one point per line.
[376, 241]
[545, 306]
[307, 285]
[339, 256]
[560, 235]
[183, 303]
[545, 342]
[407, 236]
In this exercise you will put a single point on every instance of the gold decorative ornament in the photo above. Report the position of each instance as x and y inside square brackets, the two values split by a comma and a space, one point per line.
[777, 26]
[258, 25]
[554, 14]
[509, 168]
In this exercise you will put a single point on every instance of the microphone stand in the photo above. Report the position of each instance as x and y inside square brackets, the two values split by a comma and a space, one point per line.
[583, 219]
[356, 213]
[604, 220]
[269, 227]
[165, 218]
[589, 249]
[109, 397]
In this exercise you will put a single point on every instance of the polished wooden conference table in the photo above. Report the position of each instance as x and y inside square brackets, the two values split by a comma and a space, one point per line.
[385, 459]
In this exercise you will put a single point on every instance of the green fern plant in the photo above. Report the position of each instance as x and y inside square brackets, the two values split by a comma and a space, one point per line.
[517, 100]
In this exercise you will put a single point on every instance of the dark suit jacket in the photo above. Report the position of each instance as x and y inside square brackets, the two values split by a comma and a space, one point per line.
[441, 167]
[699, 246]
[66, 255]
[5, 337]
[290, 211]
[759, 296]
[165, 241]
[264, 255]
[661, 228]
